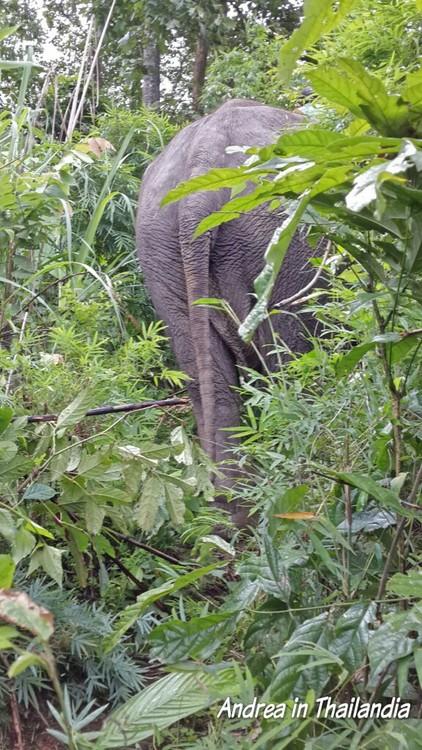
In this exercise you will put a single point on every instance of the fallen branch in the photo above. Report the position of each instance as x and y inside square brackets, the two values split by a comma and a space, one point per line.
[118, 408]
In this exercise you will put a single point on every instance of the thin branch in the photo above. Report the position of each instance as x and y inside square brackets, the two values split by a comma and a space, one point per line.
[118, 408]
[308, 286]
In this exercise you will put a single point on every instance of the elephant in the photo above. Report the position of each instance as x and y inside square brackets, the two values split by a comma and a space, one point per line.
[223, 263]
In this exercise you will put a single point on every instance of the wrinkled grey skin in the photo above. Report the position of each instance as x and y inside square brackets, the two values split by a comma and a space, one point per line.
[224, 263]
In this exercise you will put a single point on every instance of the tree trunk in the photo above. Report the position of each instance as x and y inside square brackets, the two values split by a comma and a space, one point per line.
[151, 79]
[199, 70]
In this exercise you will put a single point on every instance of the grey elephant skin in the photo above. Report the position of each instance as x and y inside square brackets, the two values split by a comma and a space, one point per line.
[222, 263]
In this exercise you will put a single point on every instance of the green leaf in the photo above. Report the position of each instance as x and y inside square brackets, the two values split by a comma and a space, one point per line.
[320, 17]
[7, 570]
[274, 256]
[50, 560]
[152, 498]
[409, 585]
[294, 672]
[175, 505]
[7, 634]
[73, 413]
[8, 450]
[214, 179]
[197, 638]
[220, 543]
[346, 363]
[7, 525]
[6, 415]
[23, 544]
[381, 494]
[349, 85]
[25, 660]
[163, 703]
[6, 31]
[18, 609]
[94, 516]
[130, 614]
[353, 630]
[39, 491]
[398, 636]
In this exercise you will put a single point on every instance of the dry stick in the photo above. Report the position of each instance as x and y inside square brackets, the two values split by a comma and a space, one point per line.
[145, 547]
[17, 731]
[118, 408]
[78, 110]
[397, 535]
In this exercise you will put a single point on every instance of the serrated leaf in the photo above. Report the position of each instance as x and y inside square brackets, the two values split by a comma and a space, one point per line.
[73, 413]
[7, 570]
[94, 516]
[18, 609]
[131, 613]
[175, 505]
[320, 17]
[50, 560]
[151, 499]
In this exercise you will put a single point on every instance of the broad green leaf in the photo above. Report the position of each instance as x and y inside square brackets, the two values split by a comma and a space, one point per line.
[214, 179]
[25, 660]
[8, 450]
[6, 415]
[320, 17]
[197, 638]
[175, 505]
[398, 636]
[353, 630]
[7, 525]
[6, 31]
[347, 362]
[23, 544]
[150, 501]
[18, 609]
[351, 86]
[39, 491]
[370, 519]
[381, 494]
[409, 585]
[73, 413]
[50, 560]
[130, 614]
[94, 516]
[274, 256]
[163, 703]
[36, 528]
[294, 671]
[7, 570]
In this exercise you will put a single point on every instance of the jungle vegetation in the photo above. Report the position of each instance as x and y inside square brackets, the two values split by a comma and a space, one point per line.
[126, 620]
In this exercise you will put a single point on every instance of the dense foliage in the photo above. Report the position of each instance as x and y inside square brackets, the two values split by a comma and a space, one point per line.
[125, 615]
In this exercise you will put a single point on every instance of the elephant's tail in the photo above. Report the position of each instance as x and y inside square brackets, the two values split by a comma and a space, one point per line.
[196, 263]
